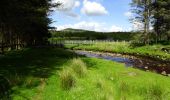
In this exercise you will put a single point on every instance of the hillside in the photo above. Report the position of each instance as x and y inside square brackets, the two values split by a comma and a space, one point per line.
[79, 34]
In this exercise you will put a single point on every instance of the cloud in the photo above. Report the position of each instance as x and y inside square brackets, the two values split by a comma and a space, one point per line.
[93, 26]
[67, 7]
[128, 14]
[93, 8]
[137, 25]
[116, 28]
[77, 4]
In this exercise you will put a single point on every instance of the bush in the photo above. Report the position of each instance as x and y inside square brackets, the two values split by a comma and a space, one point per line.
[79, 67]
[67, 78]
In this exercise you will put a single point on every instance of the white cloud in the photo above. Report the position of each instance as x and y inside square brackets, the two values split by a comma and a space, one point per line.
[93, 26]
[67, 7]
[77, 4]
[128, 14]
[93, 8]
[137, 25]
[116, 28]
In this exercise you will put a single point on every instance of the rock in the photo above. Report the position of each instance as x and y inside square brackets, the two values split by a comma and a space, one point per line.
[163, 73]
[146, 67]
[132, 74]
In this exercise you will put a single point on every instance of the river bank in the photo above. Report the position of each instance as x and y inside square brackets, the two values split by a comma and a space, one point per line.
[155, 52]
[142, 63]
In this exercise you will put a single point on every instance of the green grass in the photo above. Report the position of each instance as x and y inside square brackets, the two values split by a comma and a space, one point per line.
[153, 51]
[42, 76]
[25, 70]
[107, 80]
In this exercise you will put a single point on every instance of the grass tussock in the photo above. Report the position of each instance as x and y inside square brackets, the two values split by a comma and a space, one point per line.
[67, 78]
[79, 67]
[76, 68]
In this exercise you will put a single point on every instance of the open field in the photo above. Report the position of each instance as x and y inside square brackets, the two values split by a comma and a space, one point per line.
[57, 74]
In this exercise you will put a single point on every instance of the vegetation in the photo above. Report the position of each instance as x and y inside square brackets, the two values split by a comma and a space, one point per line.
[32, 70]
[28, 70]
[24, 23]
[142, 10]
[67, 78]
[154, 51]
[56, 79]
[68, 74]
[152, 13]
[75, 34]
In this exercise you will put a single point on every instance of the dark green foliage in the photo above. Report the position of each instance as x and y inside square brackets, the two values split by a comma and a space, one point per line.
[162, 19]
[24, 22]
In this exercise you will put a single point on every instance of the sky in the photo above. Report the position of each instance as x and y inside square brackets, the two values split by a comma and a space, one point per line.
[95, 15]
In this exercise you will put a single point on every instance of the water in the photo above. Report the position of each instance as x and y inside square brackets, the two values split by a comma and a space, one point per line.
[146, 64]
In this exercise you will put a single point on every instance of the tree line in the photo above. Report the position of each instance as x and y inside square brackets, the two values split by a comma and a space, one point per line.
[76, 34]
[24, 22]
[155, 17]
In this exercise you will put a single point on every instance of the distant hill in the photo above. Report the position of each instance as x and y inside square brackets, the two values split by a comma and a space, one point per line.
[73, 30]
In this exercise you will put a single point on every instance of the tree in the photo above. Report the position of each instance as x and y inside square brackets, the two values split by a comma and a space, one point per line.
[142, 10]
[162, 19]
[24, 22]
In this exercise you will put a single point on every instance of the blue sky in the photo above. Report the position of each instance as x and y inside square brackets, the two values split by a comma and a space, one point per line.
[96, 15]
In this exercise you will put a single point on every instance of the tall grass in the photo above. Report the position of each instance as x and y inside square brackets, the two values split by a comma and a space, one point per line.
[79, 67]
[76, 68]
[68, 80]
[156, 92]
[154, 51]
[105, 91]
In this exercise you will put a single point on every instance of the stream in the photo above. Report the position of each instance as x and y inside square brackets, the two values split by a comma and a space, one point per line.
[142, 63]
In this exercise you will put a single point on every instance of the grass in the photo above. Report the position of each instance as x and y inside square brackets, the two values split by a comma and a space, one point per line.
[79, 67]
[67, 78]
[76, 68]
[51, 75]
[107, 80]
[24, 70]
[153, 51]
